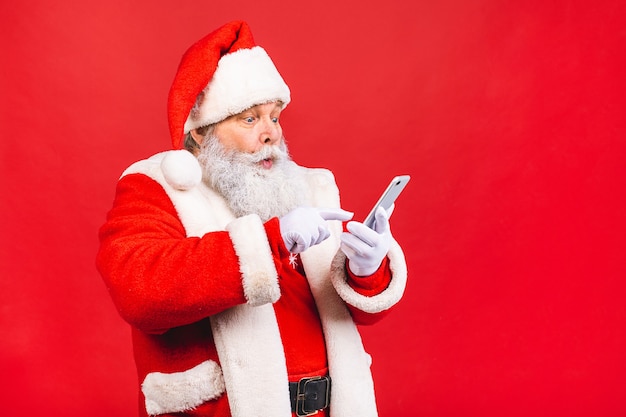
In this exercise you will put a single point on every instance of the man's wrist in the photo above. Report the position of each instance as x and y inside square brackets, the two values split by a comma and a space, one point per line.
[372, 284]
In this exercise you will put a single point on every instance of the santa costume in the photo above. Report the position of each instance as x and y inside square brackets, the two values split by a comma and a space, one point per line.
[225, 321]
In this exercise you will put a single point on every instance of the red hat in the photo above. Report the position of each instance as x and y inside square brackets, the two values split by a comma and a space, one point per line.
[221, 75]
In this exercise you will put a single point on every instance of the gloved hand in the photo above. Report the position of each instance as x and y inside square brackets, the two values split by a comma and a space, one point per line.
[304, 227]
[366, 248]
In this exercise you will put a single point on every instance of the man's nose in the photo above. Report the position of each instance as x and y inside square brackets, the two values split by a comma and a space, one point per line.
[270, 132]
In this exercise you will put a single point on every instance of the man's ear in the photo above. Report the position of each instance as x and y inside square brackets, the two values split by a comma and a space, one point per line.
[199, 138]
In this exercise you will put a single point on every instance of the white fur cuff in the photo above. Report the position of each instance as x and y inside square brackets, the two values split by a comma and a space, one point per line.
[377, 303]
[182, 391]
[258, 272]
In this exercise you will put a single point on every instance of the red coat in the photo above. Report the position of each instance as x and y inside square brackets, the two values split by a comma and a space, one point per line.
[221, 319]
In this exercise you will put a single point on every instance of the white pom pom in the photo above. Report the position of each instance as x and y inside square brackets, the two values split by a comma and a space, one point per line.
[181, 170]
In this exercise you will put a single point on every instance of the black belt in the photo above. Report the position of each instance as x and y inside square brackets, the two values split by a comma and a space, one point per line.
[309, 395]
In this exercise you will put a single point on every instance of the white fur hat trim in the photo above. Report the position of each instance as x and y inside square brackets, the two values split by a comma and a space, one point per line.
[243, 79]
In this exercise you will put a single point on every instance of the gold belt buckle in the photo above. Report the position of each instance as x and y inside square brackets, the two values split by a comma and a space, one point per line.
[301, 411]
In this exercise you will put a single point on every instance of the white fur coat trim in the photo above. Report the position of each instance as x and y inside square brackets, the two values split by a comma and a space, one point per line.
[253, 361]
[260, 279]
[182, 391]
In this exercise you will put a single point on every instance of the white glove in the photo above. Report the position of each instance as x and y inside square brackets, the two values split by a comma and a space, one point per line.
[366, 248]
[304, 227]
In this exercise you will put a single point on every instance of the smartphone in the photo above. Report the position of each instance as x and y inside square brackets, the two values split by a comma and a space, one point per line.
[388, 197]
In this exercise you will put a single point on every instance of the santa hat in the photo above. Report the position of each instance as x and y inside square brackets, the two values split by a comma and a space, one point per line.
[221, 75]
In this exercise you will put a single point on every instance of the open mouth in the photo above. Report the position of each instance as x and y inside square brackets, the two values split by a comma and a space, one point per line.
[267, 163]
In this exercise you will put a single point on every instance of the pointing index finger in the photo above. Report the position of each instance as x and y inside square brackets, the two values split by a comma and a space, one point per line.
[334, 214]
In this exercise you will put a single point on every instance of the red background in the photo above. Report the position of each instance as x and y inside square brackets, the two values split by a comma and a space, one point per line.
[509, 116]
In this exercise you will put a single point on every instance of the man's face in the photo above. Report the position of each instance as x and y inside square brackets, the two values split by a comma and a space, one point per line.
[246, 160]
[251, 129]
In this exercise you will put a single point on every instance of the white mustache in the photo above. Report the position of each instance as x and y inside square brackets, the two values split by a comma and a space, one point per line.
[273, 152]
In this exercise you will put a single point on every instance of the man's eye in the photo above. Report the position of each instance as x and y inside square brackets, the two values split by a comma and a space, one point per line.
[249, 119]
[274, 119]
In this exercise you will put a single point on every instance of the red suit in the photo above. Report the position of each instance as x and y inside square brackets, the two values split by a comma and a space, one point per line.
[223, 316]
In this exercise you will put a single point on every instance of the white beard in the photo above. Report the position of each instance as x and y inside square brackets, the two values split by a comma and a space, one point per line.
[246, 186]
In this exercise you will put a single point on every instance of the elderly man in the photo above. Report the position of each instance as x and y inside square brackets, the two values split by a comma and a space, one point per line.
[230, 261]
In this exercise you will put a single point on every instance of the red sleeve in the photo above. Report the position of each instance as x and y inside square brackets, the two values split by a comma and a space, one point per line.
[369, 287]
[159, 278]
[374, 284]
